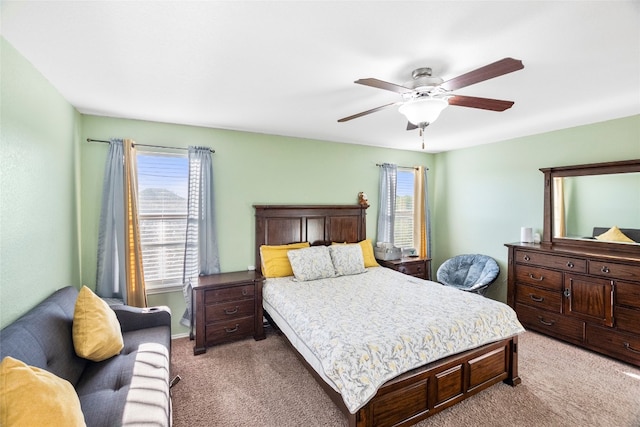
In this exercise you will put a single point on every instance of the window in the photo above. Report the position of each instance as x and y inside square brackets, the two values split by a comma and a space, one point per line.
[162, 213]
[403, 225]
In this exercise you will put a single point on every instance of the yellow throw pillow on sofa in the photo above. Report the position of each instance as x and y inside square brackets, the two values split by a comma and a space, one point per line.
[31, 396]
[96, 330]
[614, 235]
[275, 262]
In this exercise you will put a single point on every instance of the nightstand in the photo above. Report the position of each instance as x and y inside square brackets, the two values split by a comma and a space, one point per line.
[412, 266]
[228, 306]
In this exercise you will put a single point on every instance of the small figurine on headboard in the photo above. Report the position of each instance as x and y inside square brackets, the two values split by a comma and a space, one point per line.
[363, 200]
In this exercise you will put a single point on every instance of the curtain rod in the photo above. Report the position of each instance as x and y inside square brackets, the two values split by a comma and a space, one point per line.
[147, 145]
[405, 167]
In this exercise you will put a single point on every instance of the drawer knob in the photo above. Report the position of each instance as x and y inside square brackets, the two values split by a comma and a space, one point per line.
[536, 298]
[244, 292]
[570, 264]
[567, 293]
[231, 311]
[605, 269]
[232, 330]
[628, 347]
[544, 322]
[531, 276]
[526, 258]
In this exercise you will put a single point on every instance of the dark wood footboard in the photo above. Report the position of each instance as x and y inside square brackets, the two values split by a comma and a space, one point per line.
[429, 389]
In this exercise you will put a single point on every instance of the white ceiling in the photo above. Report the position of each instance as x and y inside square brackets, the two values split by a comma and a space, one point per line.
[287, 68]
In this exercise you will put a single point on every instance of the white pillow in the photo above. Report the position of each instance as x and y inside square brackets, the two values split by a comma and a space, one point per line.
[347, 259]
[311, 263]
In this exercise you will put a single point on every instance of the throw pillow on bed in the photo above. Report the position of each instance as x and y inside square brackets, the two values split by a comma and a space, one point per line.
[347, 259]
[311, 263]
[96, 329]
[274, 259]
[31, 396]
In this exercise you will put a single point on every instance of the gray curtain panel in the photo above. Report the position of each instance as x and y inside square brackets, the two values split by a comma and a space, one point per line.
[111, 275]
[387, 203]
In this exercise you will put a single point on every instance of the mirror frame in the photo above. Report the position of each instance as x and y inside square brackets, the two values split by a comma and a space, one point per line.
[548, 240]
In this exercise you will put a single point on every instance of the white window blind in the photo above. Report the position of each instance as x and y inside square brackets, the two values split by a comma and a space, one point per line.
[403, 226]
[162, 212]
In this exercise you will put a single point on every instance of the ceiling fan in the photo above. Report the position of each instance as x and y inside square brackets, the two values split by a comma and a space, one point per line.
[424, 98]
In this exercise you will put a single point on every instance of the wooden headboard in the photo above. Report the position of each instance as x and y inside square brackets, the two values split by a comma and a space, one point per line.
[316, 224]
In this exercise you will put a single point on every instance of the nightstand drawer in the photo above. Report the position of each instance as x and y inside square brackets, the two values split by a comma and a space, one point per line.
[417, 269]
[229, 330]
[227, 294]
[229, 310]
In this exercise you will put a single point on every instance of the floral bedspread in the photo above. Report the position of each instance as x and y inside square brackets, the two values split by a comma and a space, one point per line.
[368, 328]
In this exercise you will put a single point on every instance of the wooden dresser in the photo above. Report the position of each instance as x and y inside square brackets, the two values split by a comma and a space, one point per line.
[589, 298]
[228, 306]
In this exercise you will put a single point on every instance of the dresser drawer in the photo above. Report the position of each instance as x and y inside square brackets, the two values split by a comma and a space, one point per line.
[541, 277]
[628, 294]
[614, 270]
[225, 294]
[229, 310]
[536, 297]
[578, 265]
[229, 330]
[614, 343]
[627, 319]
[551, 323]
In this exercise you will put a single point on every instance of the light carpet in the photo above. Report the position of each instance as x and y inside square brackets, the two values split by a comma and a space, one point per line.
[262, 383]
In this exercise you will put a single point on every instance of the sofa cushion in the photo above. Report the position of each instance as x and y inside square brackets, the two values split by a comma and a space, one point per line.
[42, 337]
[135, 383]
[22, 385]
[96, 330]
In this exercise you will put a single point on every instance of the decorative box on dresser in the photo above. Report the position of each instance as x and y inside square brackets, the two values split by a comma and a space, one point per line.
[412, 266]
[586, 298]
[228, 306]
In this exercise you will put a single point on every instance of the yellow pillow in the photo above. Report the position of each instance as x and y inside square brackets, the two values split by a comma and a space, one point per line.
[96, 330]
[367, 253]
[614, 235]
[31, 396]
[275, 262]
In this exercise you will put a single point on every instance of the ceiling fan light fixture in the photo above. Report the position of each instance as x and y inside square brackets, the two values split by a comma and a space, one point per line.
[423, 110]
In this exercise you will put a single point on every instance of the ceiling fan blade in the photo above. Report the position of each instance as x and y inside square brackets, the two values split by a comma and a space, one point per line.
[499, 68]
[483, 103]
[411, 126]
[383, 85]
[364, 113]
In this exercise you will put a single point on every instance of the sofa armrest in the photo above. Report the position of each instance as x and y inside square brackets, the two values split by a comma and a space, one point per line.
[133, 318]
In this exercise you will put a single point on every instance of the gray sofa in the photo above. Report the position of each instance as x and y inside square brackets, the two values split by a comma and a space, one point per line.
[131, 388]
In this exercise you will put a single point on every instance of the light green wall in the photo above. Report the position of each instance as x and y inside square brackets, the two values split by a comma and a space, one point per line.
[249, 169]
[38, 194]
[51, 181]
[486, 193]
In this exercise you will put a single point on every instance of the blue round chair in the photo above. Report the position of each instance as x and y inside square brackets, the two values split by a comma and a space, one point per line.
[469, 272]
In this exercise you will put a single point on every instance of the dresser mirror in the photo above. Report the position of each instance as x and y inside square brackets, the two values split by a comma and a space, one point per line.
[585, 201]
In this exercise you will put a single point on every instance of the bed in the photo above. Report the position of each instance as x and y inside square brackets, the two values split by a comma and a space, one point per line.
[414, 393]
